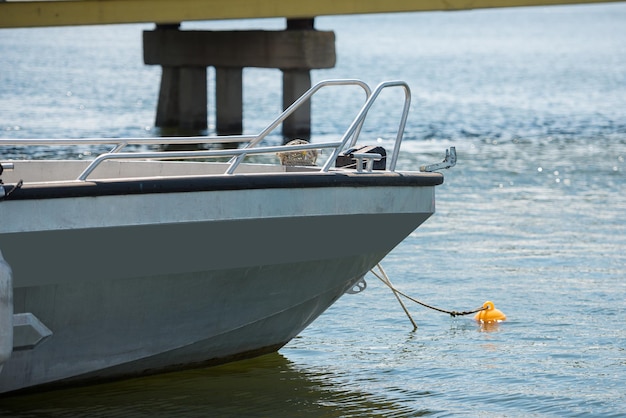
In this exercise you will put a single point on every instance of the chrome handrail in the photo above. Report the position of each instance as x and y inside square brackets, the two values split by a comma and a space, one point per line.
[349, 138]
[360, 119]
[181, 155]
[291, 109]
[305, 97]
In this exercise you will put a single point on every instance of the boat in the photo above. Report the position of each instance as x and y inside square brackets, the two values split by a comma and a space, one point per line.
[148, 259]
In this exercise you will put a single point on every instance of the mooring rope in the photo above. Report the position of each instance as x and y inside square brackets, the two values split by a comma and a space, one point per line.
[396, 293]
[385, 279]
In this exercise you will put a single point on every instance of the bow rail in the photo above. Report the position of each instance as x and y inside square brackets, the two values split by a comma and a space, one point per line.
[251, 142]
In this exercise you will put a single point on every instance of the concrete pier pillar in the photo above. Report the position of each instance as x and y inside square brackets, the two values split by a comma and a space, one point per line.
[295, 83]
[167, 106]
[229, 100]
[183, 94]
[298, 125]
[183, 99]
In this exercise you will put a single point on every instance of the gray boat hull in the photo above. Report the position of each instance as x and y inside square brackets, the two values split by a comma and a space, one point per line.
[146, 283]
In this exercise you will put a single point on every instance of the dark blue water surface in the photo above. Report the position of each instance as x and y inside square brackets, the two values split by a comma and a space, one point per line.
[533, 217]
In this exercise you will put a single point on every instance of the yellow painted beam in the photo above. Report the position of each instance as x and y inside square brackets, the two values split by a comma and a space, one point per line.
[14, 14]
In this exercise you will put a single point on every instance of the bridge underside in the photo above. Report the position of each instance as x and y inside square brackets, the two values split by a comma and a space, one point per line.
[20, 13]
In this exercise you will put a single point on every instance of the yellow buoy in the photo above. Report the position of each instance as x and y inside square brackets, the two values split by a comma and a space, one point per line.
[490, 313]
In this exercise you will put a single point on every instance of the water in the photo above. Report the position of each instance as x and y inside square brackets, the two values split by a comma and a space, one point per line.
[532, 217]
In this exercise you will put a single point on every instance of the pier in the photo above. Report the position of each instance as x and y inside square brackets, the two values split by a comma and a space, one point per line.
[186, 55]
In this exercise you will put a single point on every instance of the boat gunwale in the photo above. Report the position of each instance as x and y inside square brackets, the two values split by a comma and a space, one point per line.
[208, 183]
